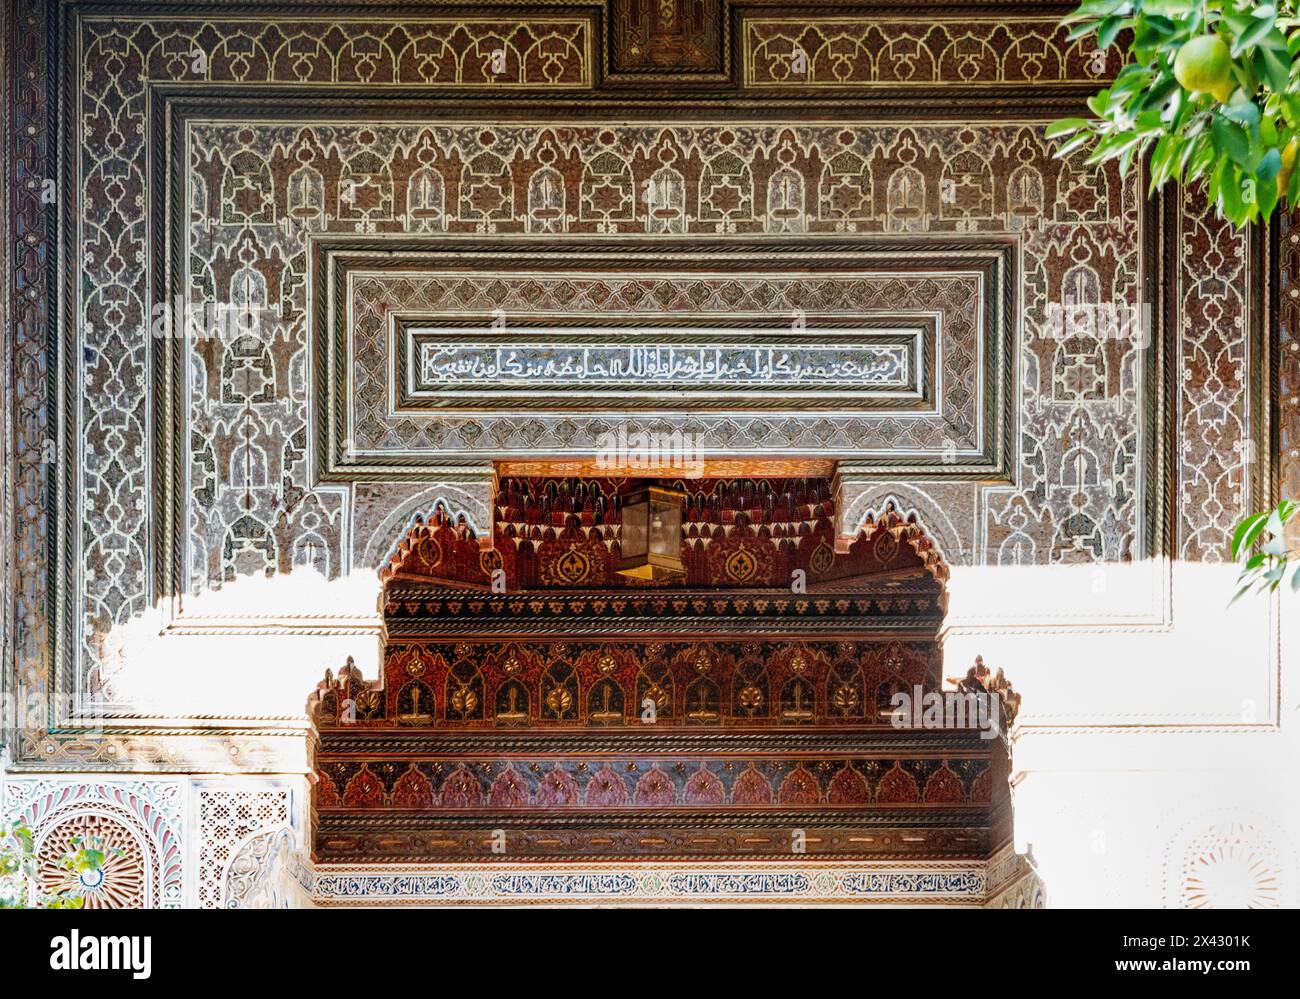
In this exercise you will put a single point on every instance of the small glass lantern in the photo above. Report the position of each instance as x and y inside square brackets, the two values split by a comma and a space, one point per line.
[651, 536]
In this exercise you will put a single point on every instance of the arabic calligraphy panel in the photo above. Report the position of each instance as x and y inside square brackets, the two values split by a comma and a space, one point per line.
[699, 364]
[883, 353]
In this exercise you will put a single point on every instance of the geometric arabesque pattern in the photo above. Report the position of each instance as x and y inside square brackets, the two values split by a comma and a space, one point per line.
[260, 194]
[1078, 232]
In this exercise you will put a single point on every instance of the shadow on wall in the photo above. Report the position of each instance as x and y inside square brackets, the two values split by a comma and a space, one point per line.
[1105, 656]
[1149, 642]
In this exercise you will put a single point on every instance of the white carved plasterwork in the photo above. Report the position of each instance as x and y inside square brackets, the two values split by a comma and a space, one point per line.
[1230, 858]
[395, 506]
[449, 359]
[929, 502]
[654, 884]
[935, 308]
[1013, 883]
[228, 814]
[233, 842]
[268, 872]
[139, 822]
[1027, 892]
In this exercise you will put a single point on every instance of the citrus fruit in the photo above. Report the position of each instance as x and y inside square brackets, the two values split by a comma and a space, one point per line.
[1288, 164]
[1204, 65]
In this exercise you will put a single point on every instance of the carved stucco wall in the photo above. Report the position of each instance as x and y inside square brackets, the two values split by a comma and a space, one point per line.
[200, 466]
[169, 842]
[253, 198]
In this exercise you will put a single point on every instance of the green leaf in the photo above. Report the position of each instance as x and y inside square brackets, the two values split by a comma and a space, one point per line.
[1077, 142]
[1126, 160]
[1098, 8]
[1164, 160]
[1081, 31]
[1169, 8]
[1269, 164]
[1275, 547]
[1160, 93]
[1272, 68]
[1246, 533]
[1108, 31]
[1251, 33]
[1230, 139]
[1153, 27]
[1236, 21]
[1268, 133]
[1241, 110]
[1293, 188]
[1266, 197]
[1228, 193]
[1064, 126]
[1120, 145]
[1098, 103]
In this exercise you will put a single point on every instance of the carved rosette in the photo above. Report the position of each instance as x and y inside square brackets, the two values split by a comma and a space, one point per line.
[122, 881]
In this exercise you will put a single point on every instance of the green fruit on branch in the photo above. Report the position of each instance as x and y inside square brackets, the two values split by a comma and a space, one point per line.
[1207, 95]
[1204, 65]
[1241, 146]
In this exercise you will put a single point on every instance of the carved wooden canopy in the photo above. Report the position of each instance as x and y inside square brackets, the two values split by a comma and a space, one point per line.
[739, 712]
